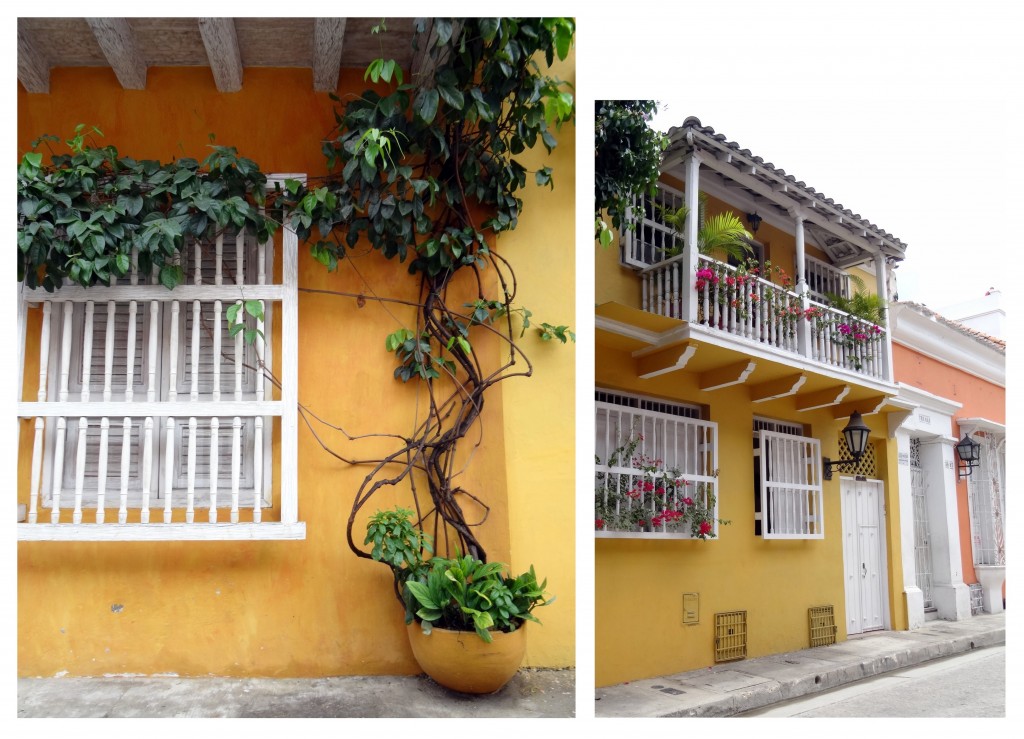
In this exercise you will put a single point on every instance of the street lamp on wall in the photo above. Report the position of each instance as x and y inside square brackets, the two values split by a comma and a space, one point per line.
[969, 453]
[856, 434]
[754, 220]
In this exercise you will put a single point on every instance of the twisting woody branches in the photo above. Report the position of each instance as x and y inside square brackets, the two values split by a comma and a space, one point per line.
[426, 174]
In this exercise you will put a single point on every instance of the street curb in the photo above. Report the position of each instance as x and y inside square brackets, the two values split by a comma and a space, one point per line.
[774, 692]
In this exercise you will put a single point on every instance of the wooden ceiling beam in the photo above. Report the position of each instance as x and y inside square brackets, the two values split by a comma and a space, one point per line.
[221, 44]
[33, 67]
[423, 64]
[328, 43]
[117, 42]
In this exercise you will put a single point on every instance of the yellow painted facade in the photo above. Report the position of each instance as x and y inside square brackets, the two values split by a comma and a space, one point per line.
[640, 583]
[304, 608]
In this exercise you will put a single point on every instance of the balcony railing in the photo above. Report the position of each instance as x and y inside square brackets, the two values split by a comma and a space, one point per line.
[749, 307]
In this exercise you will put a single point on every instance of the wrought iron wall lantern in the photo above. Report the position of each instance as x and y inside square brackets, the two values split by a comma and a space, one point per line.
[755, 221]
[856, 434]
[969, 453]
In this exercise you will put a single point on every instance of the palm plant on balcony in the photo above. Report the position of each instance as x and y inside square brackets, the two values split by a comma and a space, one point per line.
[862, 304]
[723, 233]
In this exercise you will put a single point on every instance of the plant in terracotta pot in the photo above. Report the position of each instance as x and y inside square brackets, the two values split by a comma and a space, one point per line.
[447, 600]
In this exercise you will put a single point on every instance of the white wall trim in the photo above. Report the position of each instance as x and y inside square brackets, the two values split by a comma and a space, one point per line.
[944, 344]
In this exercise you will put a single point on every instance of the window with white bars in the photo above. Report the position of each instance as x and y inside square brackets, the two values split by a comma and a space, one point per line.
[150, 412]
[788, 498]
[671, 449]
[652, 240]
[205, 367]
[987, 498]
[823, 278]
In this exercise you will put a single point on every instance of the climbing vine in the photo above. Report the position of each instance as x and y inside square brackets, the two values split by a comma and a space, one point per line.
[425, 172]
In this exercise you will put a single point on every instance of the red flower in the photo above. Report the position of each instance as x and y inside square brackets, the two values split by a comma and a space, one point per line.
[599, 523]
[705, 528]
[688, 501]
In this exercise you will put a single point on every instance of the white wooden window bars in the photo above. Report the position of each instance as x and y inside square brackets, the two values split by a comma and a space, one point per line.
[681, 445]
[652, 240]
[823, 278]
[789, 483]
[151, 422]
[987, 501]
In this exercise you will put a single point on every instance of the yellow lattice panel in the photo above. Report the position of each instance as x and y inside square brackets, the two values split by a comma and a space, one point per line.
[822, 622]
[730, 636]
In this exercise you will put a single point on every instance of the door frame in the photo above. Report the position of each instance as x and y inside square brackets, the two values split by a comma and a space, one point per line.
[883, 553]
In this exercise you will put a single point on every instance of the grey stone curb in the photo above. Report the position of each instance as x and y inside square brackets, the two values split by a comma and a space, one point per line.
[774, 692]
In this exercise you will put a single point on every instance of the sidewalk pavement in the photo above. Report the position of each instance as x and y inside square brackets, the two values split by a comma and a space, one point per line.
[734, 687]
[530, 694]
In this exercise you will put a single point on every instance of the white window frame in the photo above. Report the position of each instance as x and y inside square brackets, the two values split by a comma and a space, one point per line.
[986, 493]
[642, 241]
[789, 469]
[825, 275]
[57, 410]
[181, 372]
[680, 437]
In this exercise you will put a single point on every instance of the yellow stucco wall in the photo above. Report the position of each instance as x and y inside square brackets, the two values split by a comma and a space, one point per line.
[639, 584]
[539, 416]
[302, 608]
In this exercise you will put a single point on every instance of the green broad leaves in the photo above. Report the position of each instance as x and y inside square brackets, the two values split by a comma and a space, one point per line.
[383, 69]
[238, 323]
[425, 105]
[82, 214]
[561, 333]
[466, 594]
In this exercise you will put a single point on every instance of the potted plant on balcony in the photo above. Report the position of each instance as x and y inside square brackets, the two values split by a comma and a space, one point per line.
[721, 233]
[466, 619]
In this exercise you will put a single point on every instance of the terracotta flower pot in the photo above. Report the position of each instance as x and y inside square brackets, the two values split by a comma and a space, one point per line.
[462, 661]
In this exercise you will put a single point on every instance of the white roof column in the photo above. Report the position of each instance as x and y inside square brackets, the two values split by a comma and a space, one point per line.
[881, 285]
[803, 330]
[690, 262]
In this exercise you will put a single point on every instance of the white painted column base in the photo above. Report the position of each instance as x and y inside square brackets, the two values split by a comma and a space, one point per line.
[915, 606]
[991, 578]
[953, 602]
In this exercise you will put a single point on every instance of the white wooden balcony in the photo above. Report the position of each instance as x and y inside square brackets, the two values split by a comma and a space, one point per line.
[755, 310]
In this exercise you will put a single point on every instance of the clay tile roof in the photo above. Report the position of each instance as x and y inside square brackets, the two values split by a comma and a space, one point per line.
[990, 341]
[694, 123]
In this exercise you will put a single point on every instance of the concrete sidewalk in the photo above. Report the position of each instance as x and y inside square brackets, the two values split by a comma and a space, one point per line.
[731, 688]
[530, 694]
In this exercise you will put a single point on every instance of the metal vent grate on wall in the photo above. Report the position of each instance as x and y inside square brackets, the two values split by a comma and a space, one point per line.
[976, 598]
[730, 636]
[822, 622]
[865, 466]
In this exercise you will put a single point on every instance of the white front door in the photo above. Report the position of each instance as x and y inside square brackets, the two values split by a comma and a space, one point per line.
[863, 554]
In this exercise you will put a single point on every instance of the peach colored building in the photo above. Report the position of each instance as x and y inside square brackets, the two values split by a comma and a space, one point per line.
[953, 381]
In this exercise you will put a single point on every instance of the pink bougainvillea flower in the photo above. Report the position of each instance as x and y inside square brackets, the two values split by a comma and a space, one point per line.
[688, 501]
[705, 528]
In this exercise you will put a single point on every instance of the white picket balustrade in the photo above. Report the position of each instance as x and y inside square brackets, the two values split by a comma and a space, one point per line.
[756, 310]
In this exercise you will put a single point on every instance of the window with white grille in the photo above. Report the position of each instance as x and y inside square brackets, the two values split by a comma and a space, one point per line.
[823, 278]
[987, 498]
[652, 240]
[651, 465]
[787, 482]
[150, 412]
